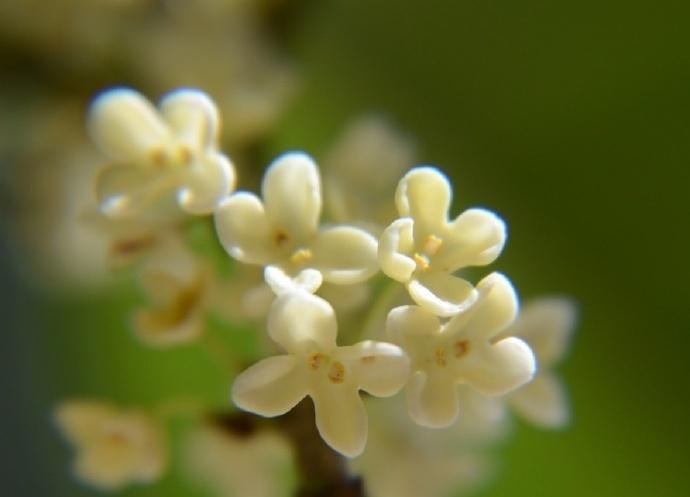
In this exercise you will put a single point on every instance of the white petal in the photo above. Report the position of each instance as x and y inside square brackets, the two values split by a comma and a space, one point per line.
[379, 368]
[475, 238]
[345, 255]
[345, 298]
[80, 420]
[424, 195]
[543, 402]
[270, 387]
[243, 229]
[432, 400]
[395, 243]
[341, 418]
[291, 190]
[192, 116]
[499, 368]
[308, 280]
[482, 418]
[210, 179]
[124, 190]
[126, 126]
[495, 309]
[409, 321]
[442, 294]
[547, 324]
[301, 322]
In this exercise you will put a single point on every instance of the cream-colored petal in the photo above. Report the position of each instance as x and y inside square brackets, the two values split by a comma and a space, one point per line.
[395, 247]
[308, 280]
[379, 368]
[126, 126]
[543, 402]
[442, 294]
[270, 387]
[432, 399]
[345, 255]
[475, 238]
[494, 311]
[499, 368]
[345, 298]
[341, 418]
[124, 190]
[291, 190]
[208, 181]
[80, 420]
[301, 322]
[243, 229]
[105, 466]
[424, 194]
[483, 418]
[410, 321]
[547, 324]
[192, 116]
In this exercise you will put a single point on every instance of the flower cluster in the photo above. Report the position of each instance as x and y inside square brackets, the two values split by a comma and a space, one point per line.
[457, 349]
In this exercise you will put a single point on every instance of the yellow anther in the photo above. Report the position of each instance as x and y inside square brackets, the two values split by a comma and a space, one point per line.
[421, 261]
[461, 347]
[279, 238]
[159, 157]
[315, 360]
[301, 256]
[431, 245]
[184, 155]
[440, 356]
[336, 373]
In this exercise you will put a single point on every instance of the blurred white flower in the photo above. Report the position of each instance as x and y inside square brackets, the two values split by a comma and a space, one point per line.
[423, 248]
[305, 326]
[463, 350]
[547, 325]
[283, 230]
[238, 466]
[158, 153]
[114, 447]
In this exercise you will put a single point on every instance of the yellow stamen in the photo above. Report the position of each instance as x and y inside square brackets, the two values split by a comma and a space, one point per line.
[159, 157]
[432, 244]
[279, 238]
[440, 356]
[461, 348]
[315, 360]
[301, 256]
[421, 261]
[336, 373]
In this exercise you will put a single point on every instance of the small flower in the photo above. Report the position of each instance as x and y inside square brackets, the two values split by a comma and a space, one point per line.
[115, 447]
[463, 350]
[157, 153]
[423, 248]
[305, 326]
[547, 325]
[283, 230]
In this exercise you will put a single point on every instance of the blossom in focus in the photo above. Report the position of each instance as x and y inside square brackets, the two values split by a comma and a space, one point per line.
[283, 231]
[547, 325]
[159, 153]
[114, 447]
[305, 326]
[463, 350]
[423, 248]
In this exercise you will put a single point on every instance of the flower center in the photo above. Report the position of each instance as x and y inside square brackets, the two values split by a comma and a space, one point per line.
[301, 256]
[335, 370]
[430, 247]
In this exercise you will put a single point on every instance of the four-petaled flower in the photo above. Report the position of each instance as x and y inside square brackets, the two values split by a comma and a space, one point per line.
[463, 350]
[423, 248]
[158, 153]
[305, 326]
[283, 230]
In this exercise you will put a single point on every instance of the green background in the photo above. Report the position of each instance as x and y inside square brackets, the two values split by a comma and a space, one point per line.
[571, 120]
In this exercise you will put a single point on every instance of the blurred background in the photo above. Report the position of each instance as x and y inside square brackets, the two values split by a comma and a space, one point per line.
[570, 119]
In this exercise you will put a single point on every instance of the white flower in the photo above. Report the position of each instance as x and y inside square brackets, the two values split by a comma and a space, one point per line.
[238, 466]
[305, 326]
[157, 153]
[283, 230]
[547, 325]
[114, 447]
[423, 248]
[463, 350]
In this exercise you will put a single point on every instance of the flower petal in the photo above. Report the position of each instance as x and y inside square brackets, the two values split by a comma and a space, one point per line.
[345, 255]
[424, 194]
[499, 368]
[379, 368]
[345, 298]
[168, 326]
[207, 182]
[395, 243]
[442, 294]
[341, 418]
[408, 321]
[432, 400]
[126, 126]
[291, 190]
[495, 309]
[270, 387]
[475, 238]
[547, 324]
[192, 116]
[243, 229]
[308, 280]
[542, 402]
[80, 420]
[301, 322]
